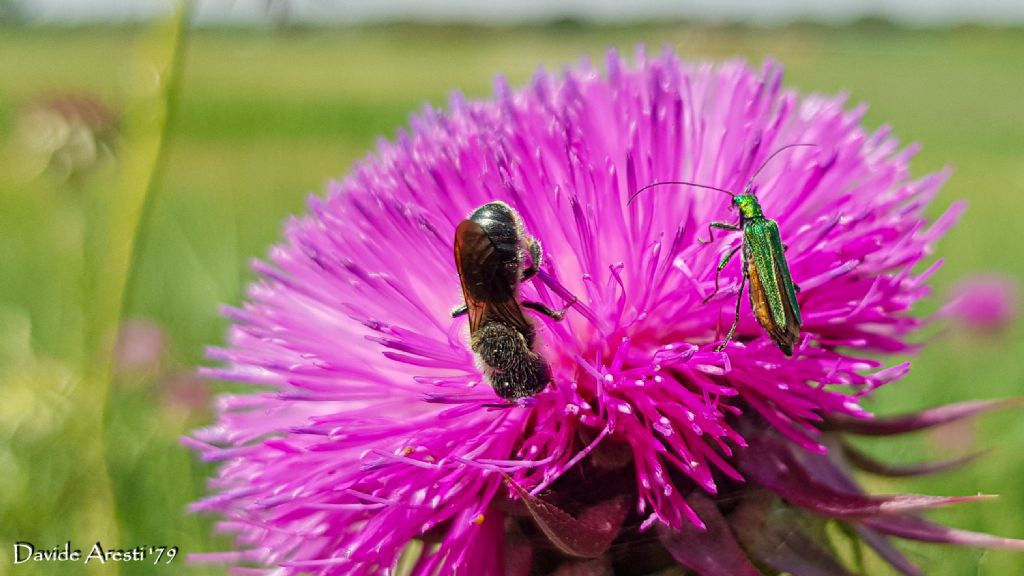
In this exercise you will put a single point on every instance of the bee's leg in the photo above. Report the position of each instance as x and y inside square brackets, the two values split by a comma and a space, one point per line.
[460, 311]
[553, 314]
[796, 288]
[720, 226]
[718, 272]
[736, 322]
[533, 245]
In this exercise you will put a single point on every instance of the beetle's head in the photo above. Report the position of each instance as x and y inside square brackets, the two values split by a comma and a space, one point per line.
[748, 206]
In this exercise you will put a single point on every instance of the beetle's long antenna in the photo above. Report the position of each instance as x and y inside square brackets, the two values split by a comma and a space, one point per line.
[679, 182]
[750, 182]
[706, 187]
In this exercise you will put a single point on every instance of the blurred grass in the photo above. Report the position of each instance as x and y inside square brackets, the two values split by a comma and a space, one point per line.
[266, 118]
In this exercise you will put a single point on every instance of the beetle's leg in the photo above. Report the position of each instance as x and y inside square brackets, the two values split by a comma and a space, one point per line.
[460, 311]
[718, 272]
[533, 245]
[796, 288]
[720, 226]
[553, 314]
[736, 322]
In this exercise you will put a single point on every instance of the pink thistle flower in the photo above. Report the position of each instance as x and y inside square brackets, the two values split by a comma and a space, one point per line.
[373, 427]
[141, 347]
[985, 304]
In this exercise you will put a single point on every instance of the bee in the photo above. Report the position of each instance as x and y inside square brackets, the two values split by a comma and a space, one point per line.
[489, 250]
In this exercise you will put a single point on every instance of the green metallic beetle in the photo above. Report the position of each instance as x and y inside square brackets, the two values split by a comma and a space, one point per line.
[772, 291]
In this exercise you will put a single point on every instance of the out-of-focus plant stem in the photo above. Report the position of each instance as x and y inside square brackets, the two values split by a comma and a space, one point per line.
[118, 225]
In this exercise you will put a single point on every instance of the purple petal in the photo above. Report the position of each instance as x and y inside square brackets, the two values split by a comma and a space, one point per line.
[710, 552]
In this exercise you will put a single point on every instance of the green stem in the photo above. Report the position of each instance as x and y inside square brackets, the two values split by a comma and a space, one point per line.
[118, 230]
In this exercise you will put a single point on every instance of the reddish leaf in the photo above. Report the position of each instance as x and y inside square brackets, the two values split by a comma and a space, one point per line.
[606, 516]
[588, 537]
[868, 464]
[710, 552]
[881, 545]
[518, 554]
[891, 425]
[768, 462]
[595, 567]
[783, 538]
[913, 528]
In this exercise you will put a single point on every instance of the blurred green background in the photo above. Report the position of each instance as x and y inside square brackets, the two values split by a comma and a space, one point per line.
[262, 118]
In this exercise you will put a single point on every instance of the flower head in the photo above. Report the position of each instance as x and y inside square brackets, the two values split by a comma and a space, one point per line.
[375, 427]
[984, 304]
[67, 134]
[141, 347]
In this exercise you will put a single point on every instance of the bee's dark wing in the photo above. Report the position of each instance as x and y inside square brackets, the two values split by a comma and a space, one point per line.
[510, 312]
[472, 247]
[484, 281]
